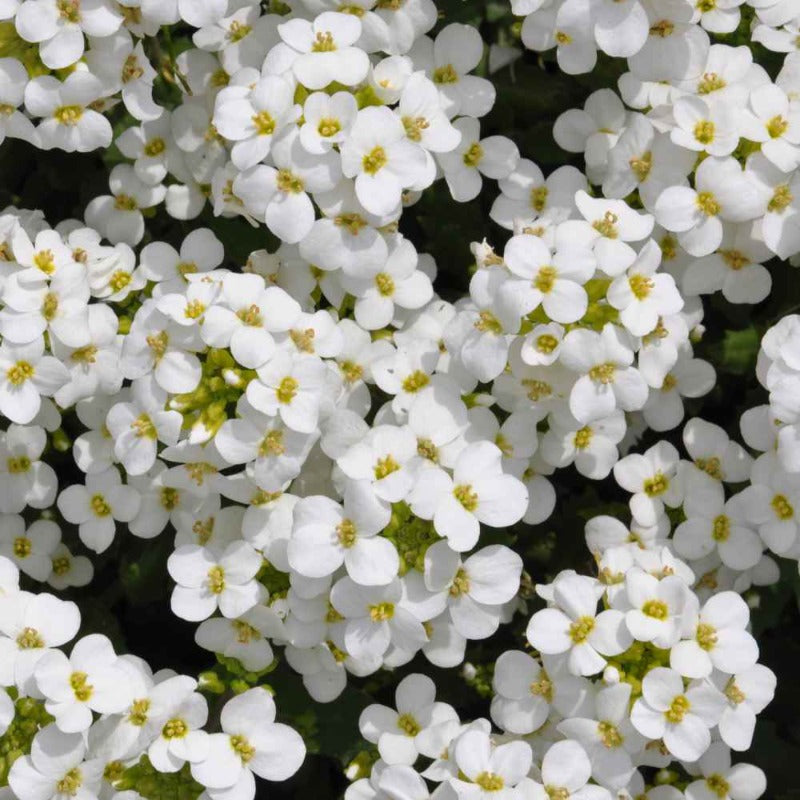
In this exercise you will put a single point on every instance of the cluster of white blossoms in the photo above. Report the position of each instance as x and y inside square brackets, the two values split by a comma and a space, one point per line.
[333, 447]
[78, 723]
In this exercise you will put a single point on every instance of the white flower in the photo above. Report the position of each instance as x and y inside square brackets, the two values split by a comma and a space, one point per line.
[494, 156]
[326, 49]
[250, 742]
[32, 623]
[32, 549]
[718, 639]
[775, 124]
[681, 717]
[488, 769]
[97, 506]
[56, 767]
[25, 480]
[566, 769]
[89, 680]
[553, 280]
[375, 618]
[477, 589]
[739, 782]
[660, 610]
[579, 630]
[704, 127]
[68, 121]
[747, 694]
[210, 578]
[397, 733]
[325, 535]
[607, 380]
[244, 638]
[58, 27]
[653, 480]
[27, 374]
[479, 491]
[382, 159]
[643, 296]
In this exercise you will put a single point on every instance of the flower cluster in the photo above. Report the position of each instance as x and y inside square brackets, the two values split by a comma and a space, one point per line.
[345, 463]
[94, 721]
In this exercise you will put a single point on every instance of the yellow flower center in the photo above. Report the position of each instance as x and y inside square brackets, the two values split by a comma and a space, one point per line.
[641, 165]
[657, 485]
[29, 639]
[81, 688]
[408, 725]
[490, 782]
[460, 584]
[323, 43]
[704, 131]
[19, 373]
[381, 612]
[445, 74]
[472, 157]
[385, 467]
[721, 529]
[216, 579]
[328, 126]
[657, 609]
[583, 438]
[346, 533]
[375, 160]
[175, 728]
[287, 390]
[677, 710]
[580, 629]
[19, 465]
[708, 204]
[22, 547]
[706, 636]
[466, 496]
[641, 286]
[603, 373]
[607, 226]
[99, 506]
[68, 115]
[155, 147]
[242, 748]
[545, 279]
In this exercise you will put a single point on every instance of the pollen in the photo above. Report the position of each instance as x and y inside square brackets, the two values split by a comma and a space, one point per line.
[678, 709]
[385, 467]
[415, 381]
[445, 74]
[352, 222]
[545, 279]
[580, 629]
[781, 199]
[641, 166]
[662, 28]
[119, 279]
[68, 115]
[272, 444]
[473, 155]
[708, 204]
[352, 372]
[29, 639]
[710, 82]
[50, 306]
[414, 127]
[704, 131]
[375, 160]
[603, 373]
[216, 579]
[131, 69]
[609, 735]
[488, 323]
[385, 284]
[583, 438]
[427, 449]
[245, 633]
[99, 506]
[408, 725]
[18, 465]
[381, 612]
[346, 533]
[70, 783]
[288, 182]
[144, 428]
[641, 286]
[490, 782]
[706, 636]
[174, 728]
[466, 496]
[777, 126]
[264, 123]
[169, 498]
[543, 687]
[607, 226]
[538, 198]
[124, 202]
[657, 609]
[721, 530]
[460, 584]
[155, 147]
[546, 343]
[782, 507]
[287, 390]
[536, 390]
[19, 373]
[61, 565]
[328, 126]
[657, 485]
[81, 688]
[138, 712]
[323, 43]
[238, 30]
[718, 785]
